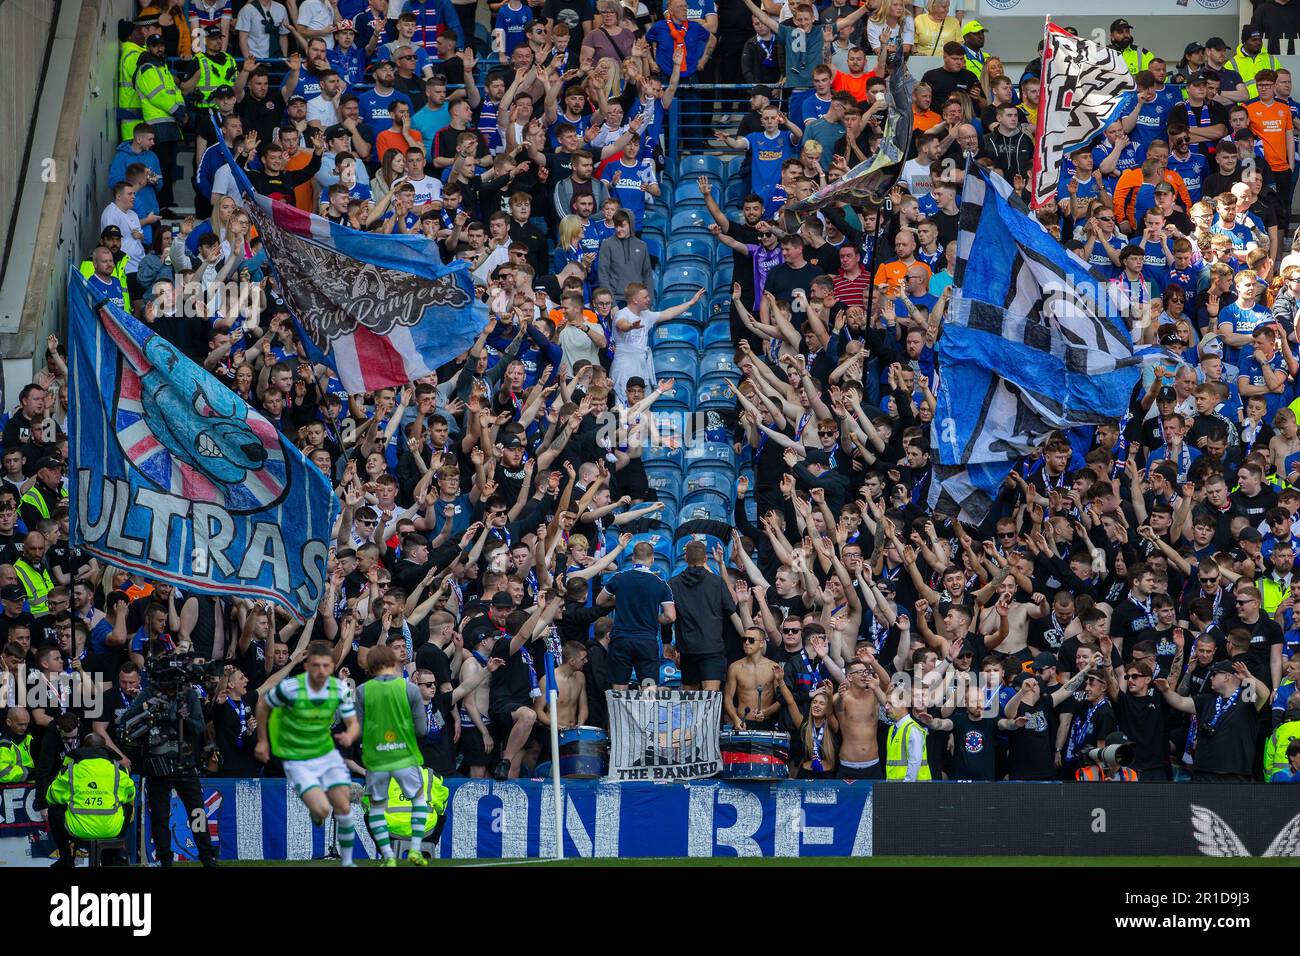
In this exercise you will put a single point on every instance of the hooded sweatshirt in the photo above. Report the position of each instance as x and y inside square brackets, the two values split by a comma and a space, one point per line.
[703, 605]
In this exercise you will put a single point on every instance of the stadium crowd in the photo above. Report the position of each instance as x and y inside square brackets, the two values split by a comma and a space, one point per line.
[1133, 578]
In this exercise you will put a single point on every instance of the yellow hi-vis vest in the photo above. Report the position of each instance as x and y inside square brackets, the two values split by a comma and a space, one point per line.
[896, 750]
[128, 100]
[213, 74]
[1275, 747]
[37, 584]
[397, 814]
[159, 94]
[37, 500]
[1137, 59]
[15, 759]
[94, 790]
[1247, 66]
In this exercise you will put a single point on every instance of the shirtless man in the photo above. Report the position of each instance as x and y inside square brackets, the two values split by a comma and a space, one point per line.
[1016, 643]
[571, 683]
[756, 688]
[857, 709]
[476, 743]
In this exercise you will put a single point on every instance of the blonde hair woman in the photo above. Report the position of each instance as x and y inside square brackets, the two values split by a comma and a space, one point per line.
[889, 21]
[993, 68]
[934, 28]
[570, 231]
[604, 82]
[818, 737]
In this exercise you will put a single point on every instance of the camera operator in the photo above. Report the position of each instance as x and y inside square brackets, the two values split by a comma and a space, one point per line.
[1108, 763]
[167, 720]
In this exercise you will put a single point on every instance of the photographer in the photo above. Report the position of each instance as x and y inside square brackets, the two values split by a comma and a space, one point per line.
[1109, 763]
[167, 720]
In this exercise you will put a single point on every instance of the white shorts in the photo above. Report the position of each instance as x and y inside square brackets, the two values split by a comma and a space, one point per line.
[408, 778]
[326, 771]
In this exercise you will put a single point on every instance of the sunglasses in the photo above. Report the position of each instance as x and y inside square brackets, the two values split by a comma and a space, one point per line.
[752, 640]
[830, 434]
[1134, 676]
[424, 683]
[792, 630]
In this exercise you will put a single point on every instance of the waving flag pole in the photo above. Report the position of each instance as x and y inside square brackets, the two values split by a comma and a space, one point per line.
[553, 704]
[1040, 120]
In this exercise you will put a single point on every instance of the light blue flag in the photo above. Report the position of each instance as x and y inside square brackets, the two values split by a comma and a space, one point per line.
[174, 476]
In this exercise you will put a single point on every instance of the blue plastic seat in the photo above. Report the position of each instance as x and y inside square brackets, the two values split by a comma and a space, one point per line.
[696, 314]
[722, 273]
[719, 361]
[662, 543]
[687, 192]
[710, 452]
[691, 250]
[676, 332]
[704, 505]
[709, 541]
[735, 193]
[712, 393]
[712, 477]
[681, 397]
[656, 215]
[670, 425]
[666, 480]
[663, 455]
[654, 245]
[688, 275]
[692, 218]
[717, 333]
[677, 362]
[691, 167]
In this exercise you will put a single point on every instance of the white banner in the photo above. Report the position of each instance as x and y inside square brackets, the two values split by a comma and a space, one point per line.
[664, 734]
[1102, 8]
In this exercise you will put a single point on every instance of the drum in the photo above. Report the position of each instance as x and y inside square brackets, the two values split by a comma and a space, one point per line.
[755, 755]
[584, 752]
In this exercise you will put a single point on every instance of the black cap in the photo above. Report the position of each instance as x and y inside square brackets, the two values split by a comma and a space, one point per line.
[1193, 47]
[512, 441]
[153, 38]
[1250, 30]
[636, 381]
[224, 91]
[1249, 534]
[1166, 394]
[503, 599]
[1120, 24]
[761, 90]
[13, 592]
[110, 232]
[1043, 661]
[334, 132]
[297, 98]
[1215, 43]
[815, 456]
[381, 59]
[212, 32]
[49, 461]
[1222, 667]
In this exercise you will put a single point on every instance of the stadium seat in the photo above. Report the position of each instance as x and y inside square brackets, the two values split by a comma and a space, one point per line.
[717, 333]
[681, 397]
[667, 481]
[691, 167]
[710, 452]
[688, 277]
[713, 393]
[662, 543]
[711, 477]
[704, 505]
[678, 333]
[691, 250]
[663, 455]
[709, 541]
[696, 314]
[735, 165]
[735, 193]
[671, 425]
[722, 273]
[719, 361]
[687, 194]
[693, 219]
[654, 245]
[678, 362]
[656, 215]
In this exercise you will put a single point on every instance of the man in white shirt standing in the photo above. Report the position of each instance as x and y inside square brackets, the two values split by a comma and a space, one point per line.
[259, 22]
[121, 213]
[316, 19]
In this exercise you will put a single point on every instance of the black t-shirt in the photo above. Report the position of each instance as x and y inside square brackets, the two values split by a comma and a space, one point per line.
[262, 115]
[1099, 726]
[1226, 745]
[973, 749]
[1033, 746]
[511, 685]
[1254, 506]
[1129, 620]
[431, 657]
[1143, 720]
[234, 738]
[944, 83]
[437, 748]
[784, 279]
[1166, 649]
[1264, 633]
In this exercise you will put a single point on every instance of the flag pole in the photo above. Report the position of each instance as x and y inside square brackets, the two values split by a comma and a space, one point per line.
[1042, 110]
[553, 705]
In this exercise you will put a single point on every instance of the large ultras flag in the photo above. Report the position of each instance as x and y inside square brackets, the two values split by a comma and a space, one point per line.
[381, 309]
[1033, 342]
[174, 476]
[1085, 88]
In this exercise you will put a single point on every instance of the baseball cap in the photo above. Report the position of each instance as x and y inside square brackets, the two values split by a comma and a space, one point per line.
[973, 26]
[503, 599]
[297, 98]
[334, 132]
[1222, 667]
[1215, 43]
[49, 461]
[1193, 47]
[1250, 30]
[761, 90]
[224, 91]
[1164, 188]
[512, 442]
[382, 59]
[13, 592]
[110, 232]
[1043, 661]
[815, 456]
[342, 25]
[1249, 534]
[154, 38]
[212, 32]
[1120, 24]
[1166, 394]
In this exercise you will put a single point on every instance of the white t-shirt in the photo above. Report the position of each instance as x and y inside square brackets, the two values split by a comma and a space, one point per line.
[251, 22]
[426, 190]
[323, 111]
[315, 15]
[916, 174]
[129, 223]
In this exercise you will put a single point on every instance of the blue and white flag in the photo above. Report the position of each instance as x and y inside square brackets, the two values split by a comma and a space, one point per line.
[1033, 342]
[174, 476]
[381, 310]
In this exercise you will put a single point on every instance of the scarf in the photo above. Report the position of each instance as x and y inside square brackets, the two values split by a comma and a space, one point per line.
[1079, 730]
